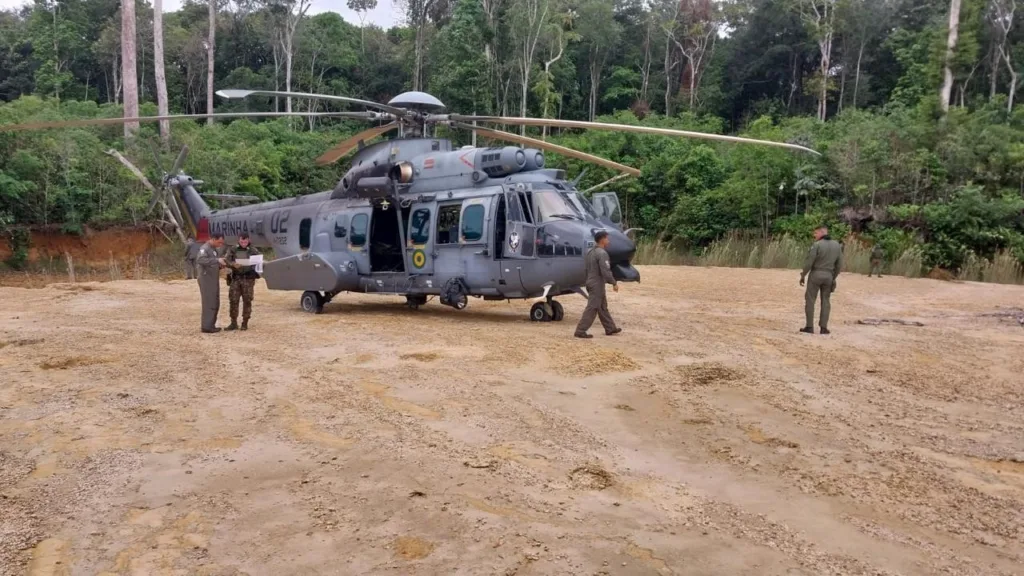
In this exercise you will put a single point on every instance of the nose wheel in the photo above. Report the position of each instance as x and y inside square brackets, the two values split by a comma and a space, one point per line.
[547, 311]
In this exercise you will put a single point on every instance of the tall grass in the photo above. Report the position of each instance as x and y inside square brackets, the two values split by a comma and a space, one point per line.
[735, 251]
[1003, 269]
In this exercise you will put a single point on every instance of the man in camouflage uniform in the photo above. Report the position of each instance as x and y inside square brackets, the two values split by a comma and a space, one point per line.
[242, 280]
[877, 253]
[209, 263]
[599, 273]
[823, 263]
[191, 252]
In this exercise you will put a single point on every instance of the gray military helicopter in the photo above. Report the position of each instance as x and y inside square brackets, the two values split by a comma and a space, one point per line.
[415, 216]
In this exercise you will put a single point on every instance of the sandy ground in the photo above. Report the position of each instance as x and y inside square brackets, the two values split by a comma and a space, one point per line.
[709, 438]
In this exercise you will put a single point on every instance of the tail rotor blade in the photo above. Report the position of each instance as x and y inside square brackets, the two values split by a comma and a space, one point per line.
[180, 161]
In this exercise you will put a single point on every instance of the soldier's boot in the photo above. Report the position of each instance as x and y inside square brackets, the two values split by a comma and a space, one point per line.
[245, 324]
[582, 335]
[807, 330]
[233, 325]
[613, 331]
[824, 331]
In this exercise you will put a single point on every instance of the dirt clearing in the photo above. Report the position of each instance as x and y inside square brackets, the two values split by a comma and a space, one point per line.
[710, 438]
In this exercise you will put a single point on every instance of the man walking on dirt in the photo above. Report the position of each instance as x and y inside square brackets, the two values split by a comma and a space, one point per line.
[242, 281]
[877, 254]
[823, 263]
[210, 263]
[191, 252]
[599, 273]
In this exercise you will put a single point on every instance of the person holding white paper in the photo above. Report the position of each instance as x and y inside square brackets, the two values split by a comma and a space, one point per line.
[242, 259]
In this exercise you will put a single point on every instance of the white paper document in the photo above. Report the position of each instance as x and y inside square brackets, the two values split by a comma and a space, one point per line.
[257, 263]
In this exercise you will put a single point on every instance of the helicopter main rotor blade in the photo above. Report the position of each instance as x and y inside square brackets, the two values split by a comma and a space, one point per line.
[234, 93]
[625, 128]
[105, 121]
[346, 146]
[507, 136]
[179, 161]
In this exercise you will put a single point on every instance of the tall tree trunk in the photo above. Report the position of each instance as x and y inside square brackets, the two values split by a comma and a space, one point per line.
[951, 39]
[668, 77]
[211, 44]
[856, 77]
[158, 69]
[129, 78]
[993, 78]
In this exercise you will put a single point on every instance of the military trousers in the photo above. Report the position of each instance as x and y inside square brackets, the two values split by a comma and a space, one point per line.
[190, 270]
[241, 289]
[818, 282]
[876, 268]
[209, 289]
[597, 307]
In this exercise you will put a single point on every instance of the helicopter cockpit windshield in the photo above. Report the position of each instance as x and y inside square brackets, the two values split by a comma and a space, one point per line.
[582, 204]
[553, 205]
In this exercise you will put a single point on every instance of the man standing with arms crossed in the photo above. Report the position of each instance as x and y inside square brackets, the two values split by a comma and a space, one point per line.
[823, 263]
[599, 273]
[209, 263]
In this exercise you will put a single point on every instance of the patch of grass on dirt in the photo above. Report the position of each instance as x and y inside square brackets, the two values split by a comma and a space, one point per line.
[72, 362]
[580, 361]
[412, 548]
[706, 374]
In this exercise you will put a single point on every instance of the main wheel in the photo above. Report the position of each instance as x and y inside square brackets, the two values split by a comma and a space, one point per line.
[459, 301]
[312, 302]
[557, 312]
[540, 312]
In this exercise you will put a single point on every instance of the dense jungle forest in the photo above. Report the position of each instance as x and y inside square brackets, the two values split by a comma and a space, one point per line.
[911, 103]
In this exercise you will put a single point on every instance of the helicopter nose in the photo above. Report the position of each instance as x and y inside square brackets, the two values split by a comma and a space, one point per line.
[620, 251]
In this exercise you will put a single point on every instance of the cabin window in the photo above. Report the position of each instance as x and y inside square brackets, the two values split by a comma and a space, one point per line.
[339, 227]
[473, 223]
[359, 225]
[304, 229]
[419, 226]
[448, 224]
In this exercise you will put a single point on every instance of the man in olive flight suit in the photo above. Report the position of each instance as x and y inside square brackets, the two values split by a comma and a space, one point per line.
[191, 251]
[242, 281]
[824, 261]
[209, 262]
[599, 273]
[877, 253]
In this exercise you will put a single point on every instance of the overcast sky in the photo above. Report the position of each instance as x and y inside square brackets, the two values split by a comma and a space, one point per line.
[384, 15]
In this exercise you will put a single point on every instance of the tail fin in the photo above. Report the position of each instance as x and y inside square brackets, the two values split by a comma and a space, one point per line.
[194, 210]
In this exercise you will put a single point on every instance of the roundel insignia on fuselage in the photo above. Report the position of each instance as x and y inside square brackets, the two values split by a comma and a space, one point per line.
[419, 259]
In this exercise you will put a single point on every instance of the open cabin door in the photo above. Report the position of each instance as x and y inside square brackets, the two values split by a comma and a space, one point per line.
[520, 231]
[606, 204]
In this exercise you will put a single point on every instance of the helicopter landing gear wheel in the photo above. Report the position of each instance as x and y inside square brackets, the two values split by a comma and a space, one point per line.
[557, 312]
[312, 302]
[414, 301]
[458, 301]
[541, 312]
